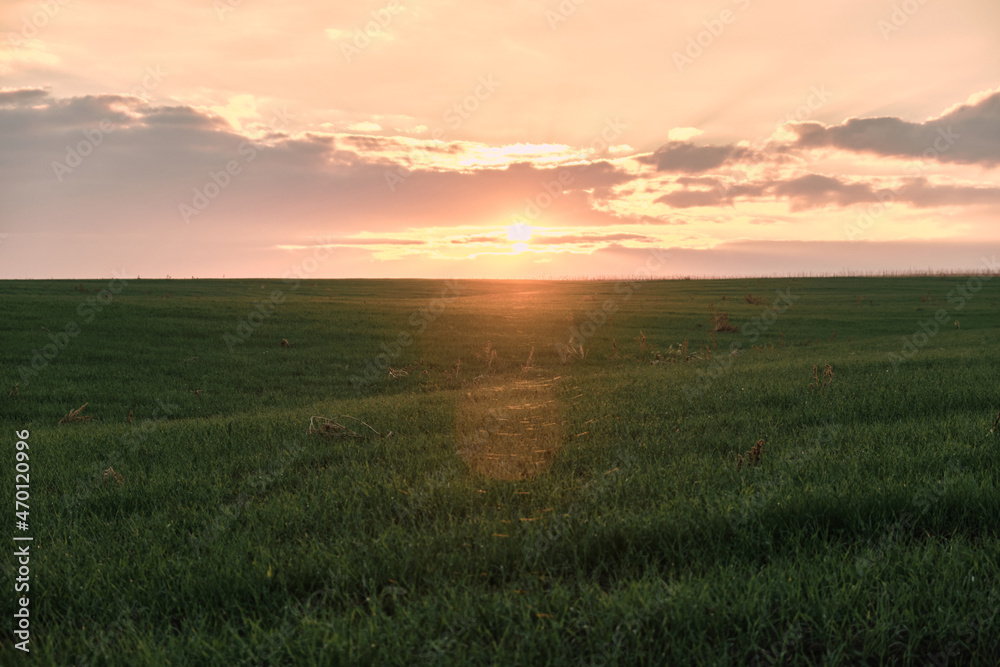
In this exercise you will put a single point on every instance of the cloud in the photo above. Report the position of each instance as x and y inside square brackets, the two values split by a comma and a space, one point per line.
[480, 238]
[967, 134]
[373, 241]
[921, 194]
[684, 133]
[717, 194]
[814, 190]
[364, 126]
[284, 187]
[591, 238]
[240, 108]
[694, 198]
[22, 96]
[686, 157]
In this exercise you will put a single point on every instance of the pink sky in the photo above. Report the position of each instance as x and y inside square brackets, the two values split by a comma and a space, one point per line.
[496, 139]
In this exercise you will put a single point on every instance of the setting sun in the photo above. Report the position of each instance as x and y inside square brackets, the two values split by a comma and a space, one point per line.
[519, 232]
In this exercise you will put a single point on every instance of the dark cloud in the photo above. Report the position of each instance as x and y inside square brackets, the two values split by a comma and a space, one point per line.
[368, 143]
[689, 158]
[969, 134]
[182, 115]
[693, 198]
[814, 190]
[697, 181]
[817, 191]
[918, 192]
[719, 194]
[22, 96]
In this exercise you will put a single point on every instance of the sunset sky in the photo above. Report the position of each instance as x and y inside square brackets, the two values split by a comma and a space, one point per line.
[428, 138]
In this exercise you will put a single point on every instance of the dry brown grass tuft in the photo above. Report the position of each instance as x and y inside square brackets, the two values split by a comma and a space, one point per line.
[489, 356]
[996, 423]
[820, 384]
[285, 343]
[112, 475]
[754, 300]
[129, 420]
[720, 323]
[754, 455]
[406, 370]
[331, 428]
[74, 416]
[13, 392]
[531, 356]
[572, 349]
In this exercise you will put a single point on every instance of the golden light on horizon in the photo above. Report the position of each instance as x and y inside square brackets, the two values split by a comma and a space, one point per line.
[520, 247]
[519, 232]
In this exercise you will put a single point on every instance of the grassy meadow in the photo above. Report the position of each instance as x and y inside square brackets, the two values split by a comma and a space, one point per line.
[506, 472]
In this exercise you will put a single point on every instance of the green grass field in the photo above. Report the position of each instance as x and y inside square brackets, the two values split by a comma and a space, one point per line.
[511, 496]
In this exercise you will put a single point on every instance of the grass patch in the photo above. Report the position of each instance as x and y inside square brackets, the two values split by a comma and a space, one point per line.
[562, 494]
